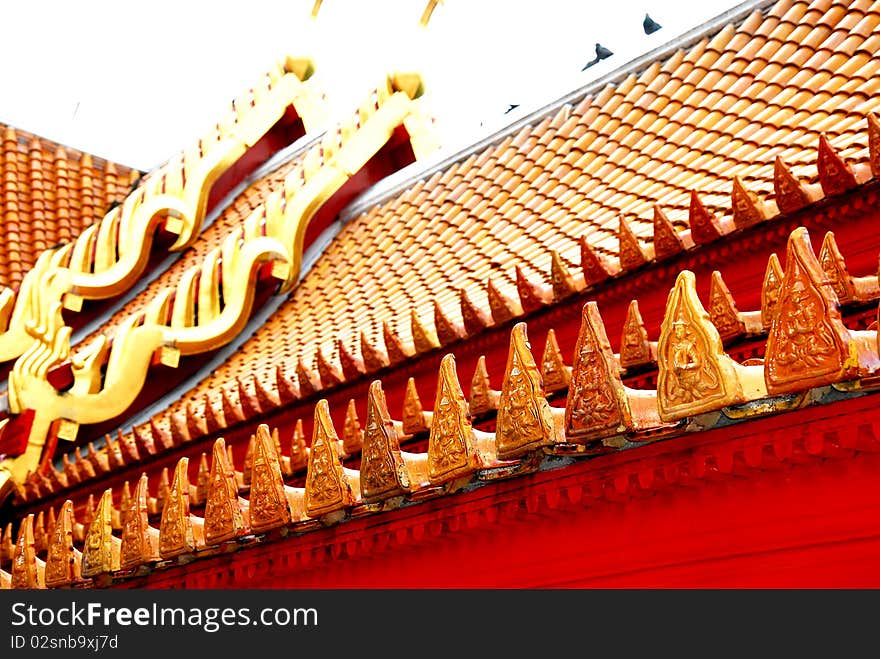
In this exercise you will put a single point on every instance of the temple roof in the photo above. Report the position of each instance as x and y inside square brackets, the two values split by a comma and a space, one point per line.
[670, 139]
[733, 135]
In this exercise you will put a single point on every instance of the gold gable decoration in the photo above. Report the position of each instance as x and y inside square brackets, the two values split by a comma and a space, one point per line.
[212, 301]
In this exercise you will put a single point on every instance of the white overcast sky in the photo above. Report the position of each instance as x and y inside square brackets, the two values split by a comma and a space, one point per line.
[137, 82]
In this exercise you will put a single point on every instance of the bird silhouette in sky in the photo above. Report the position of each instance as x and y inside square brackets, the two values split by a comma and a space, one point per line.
[511, 108]
[650, 25]
[601, 53]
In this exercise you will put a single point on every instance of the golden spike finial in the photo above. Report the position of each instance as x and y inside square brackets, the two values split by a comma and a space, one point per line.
[249, 406]
[276, 442]
[51, 521]
[807, 345]
[394, 346]
[770, 291]
[447, 330]
[7, 546]
[40, 540]
[374, 358]
[502, 306]
[161, 436]
[525, 421]
[176, 534]
[299, 451]
[203, 479]
[352, 434]
[748, 209]
[128, 446]
[555, 373]
[144, 439]
[594, 267]
[561, 281]
[352, 366]
[722, 310]
[124, 503]
[835, 174]
[101, 551]
[63, 559]
[635, 348]
[327, 489]
[424, 337]
[329, 374]
[224, 514]
[267, 398]
[415, 419]
[140, 541]
[249, 460]
[26, 567]
[214, 420]
[629, 250]
[383, 471]
[195, 420]
[475, 318]
[163, 489]
[451, 451]
[483, 398]
[667, 242]
[269, 507]
[532, 296]
[791, 194]
[834, 267]
[231, 411]
[89, 511]
[705, 227]
[285, 386]
[597, 404]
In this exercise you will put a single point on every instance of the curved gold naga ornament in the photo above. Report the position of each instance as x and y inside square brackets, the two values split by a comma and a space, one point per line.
[212, 301]
[110, 255]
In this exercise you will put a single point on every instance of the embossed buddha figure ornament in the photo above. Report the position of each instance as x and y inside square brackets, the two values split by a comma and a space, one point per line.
[592, 396]
[807, 338]
[691, 379]
[325, 485]
[450, 446]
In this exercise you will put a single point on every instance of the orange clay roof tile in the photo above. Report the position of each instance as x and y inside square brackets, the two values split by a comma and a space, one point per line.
[43, 182]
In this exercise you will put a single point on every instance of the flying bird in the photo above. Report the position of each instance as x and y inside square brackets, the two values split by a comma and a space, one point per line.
[650, 25]
[601, 53]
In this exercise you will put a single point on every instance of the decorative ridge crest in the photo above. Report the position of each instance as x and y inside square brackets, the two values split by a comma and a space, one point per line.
[383, 472]
[269, 507]
[596, 405]
[327, 489]
[807, 344]
[63, 559]
[695, 375]
[225, 516]
[525, 421]
[100, 554]
[452, 452]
